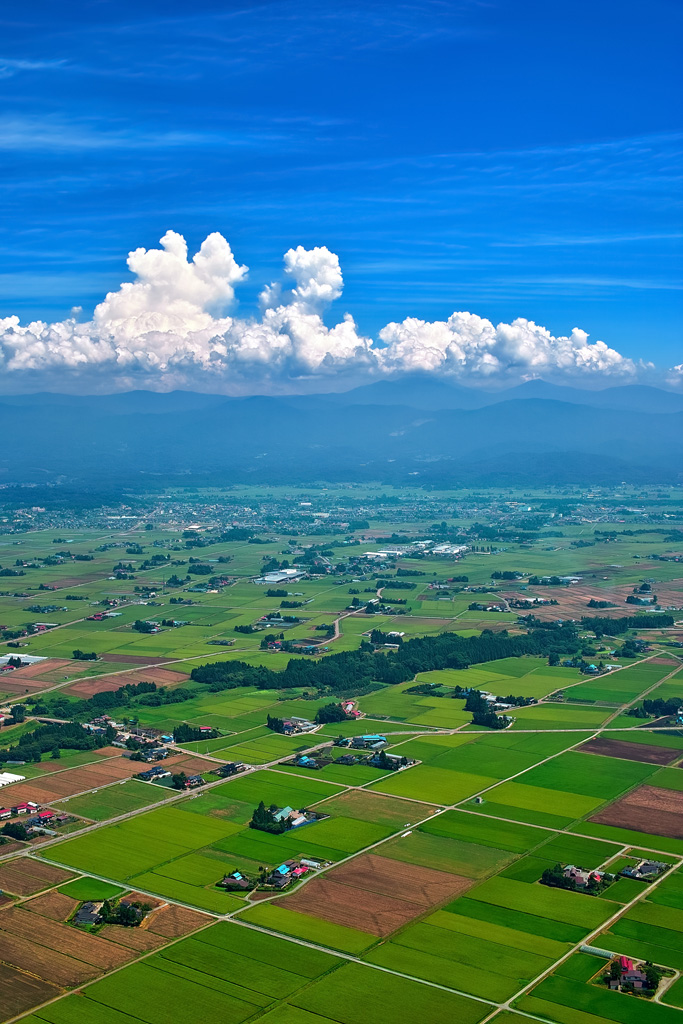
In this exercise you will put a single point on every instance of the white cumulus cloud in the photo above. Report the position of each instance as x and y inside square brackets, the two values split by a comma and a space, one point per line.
[172, 327]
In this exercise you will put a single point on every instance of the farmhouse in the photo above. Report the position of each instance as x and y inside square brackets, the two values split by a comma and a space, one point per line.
[231, 768]
[88, 913]
[645, 869]
[581, 877]
[236, 882]
[372, 741]
[193, 781]
[27, 808]
[628, 976]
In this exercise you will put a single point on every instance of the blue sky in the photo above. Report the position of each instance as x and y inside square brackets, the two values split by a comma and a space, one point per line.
[510, 159]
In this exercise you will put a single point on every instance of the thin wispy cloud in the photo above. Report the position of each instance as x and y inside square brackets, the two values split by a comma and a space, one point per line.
[57, 135]
[12, 66]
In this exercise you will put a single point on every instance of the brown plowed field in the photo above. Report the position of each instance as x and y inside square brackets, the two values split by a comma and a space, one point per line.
[375, 894]
[631, 751]
[572, 602]
[45, 963]
[402, 881]
[58, 785]
[161, 676]
[648, 809]
[83, 946]
[38, 667]
[141, 897]
[21, 992]
[197, 765]
[57, 906]
[173, 921]
[25, 876]
[354, 908]
[139, 939]
[31, 678]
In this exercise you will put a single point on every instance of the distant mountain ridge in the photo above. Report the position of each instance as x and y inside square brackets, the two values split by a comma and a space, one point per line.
[415, 429]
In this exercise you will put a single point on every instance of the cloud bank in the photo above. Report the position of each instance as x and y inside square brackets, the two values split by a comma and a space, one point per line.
[170, 327]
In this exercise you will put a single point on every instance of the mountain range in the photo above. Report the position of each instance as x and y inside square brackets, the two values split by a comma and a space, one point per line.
[413, 429]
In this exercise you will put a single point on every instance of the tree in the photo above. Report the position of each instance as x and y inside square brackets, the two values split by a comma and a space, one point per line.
[15, 830]
[179, 780]
[553, 658]
[653, 975]
[56, 754]
[263, 819]
[331, 713]
[18, 713]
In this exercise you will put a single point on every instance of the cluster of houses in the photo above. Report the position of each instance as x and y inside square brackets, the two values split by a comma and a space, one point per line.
[371, 741]
[359, 747]
[281, 877]
[440, 550]
[293, 725]
[157, 773]
[39, 817]
[151, 738]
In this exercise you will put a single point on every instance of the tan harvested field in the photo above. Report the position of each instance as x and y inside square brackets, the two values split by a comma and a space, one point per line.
[631, 751]
[375, 894]
[25, 876]
[103, 684]
[648, 809]
[20, 992]
[57, 906]
[84, 946]
[173, 921]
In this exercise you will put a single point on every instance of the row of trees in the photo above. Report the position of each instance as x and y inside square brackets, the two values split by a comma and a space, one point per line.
[352, 669]
[54, 736]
